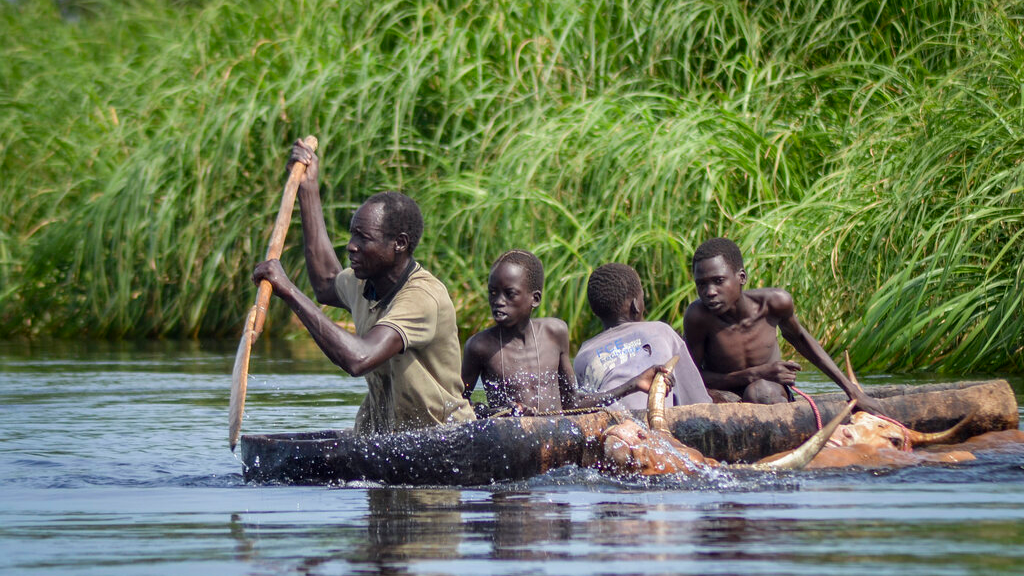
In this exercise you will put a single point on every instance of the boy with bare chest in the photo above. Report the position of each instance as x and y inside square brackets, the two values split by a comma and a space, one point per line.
[524, 362]
[732, 334]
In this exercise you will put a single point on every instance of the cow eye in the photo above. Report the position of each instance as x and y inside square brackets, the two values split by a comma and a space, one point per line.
[896, 442]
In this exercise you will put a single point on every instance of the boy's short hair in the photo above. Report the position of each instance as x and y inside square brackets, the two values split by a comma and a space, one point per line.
[723, 247]
[610, 286]
[529, 262]
[401, 214]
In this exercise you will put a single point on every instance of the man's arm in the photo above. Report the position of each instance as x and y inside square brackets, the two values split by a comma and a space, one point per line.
[356, 355]
[694, 335]
[810, 348]
[322, 262]
[689, 386]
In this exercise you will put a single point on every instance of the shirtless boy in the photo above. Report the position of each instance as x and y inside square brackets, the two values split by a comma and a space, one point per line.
[524, 362]
[731, 334]
[629, 345]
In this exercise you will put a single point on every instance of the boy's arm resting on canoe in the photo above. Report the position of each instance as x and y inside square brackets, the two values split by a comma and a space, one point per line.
[571, 394]
[808, 347]
[322, 262]
[568, 389]
[354, 354]
[640, 383]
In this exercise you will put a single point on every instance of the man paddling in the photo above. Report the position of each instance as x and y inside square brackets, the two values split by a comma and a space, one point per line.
[406, 342]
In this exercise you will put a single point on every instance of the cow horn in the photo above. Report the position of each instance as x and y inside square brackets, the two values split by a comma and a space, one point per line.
[656, 398]
[849, 370]
[926, 438]
[806, 452]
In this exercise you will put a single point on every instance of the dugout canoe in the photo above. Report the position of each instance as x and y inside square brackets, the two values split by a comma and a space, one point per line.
[505, 449]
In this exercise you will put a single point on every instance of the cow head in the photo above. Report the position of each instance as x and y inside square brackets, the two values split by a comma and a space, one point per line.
[878, 432]
[632, 448]
[872, 431]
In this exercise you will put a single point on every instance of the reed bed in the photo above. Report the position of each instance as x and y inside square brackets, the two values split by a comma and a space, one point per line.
[864, 154]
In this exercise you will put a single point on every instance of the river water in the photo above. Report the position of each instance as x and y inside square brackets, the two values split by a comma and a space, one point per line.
[114, 460]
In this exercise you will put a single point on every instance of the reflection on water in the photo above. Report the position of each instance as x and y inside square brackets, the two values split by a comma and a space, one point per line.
[404, 525]
[843, 530]
[114, 460]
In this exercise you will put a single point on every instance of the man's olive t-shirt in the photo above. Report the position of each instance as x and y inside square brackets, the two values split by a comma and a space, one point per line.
[422, 385]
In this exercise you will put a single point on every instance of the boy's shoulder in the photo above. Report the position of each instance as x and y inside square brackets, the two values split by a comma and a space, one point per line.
[643, 329]
[696, 311]
[766, 291]
[551, 324]
[483, 341]
[659, 327]
[778, 300]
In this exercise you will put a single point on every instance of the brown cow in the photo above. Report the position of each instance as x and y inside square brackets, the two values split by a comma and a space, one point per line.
[872, 442]
[870, 456]
[867, 442]
[878, 432]
[630, 447]
[989, 441]
[877, 456]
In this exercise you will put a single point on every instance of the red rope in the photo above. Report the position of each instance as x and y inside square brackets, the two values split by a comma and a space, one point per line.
[817, 419]
[906, 435]
[814, 407]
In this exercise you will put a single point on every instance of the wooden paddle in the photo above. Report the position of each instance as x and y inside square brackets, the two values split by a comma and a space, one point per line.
[258, 313]
[656, 398]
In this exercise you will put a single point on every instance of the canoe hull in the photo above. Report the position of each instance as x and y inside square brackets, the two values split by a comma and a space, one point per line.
[504, 449]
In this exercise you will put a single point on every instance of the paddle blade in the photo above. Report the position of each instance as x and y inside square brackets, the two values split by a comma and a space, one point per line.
[239, 380]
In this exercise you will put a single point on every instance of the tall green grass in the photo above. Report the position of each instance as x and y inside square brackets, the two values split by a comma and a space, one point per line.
[865, 155]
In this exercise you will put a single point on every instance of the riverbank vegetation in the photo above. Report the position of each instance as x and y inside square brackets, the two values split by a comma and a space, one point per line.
[865, 154]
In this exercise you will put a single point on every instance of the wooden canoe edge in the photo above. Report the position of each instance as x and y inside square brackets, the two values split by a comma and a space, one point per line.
[475, 453]
[749, 432]
[504, 449]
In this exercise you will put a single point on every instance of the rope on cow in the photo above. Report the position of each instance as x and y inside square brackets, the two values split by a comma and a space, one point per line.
[853, 380]
[906, 434]
[814, 407]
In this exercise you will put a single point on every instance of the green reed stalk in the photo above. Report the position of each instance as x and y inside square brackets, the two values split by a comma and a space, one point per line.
[864, 154]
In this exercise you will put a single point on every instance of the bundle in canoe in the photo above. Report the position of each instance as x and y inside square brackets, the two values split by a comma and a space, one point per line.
[503, 449]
